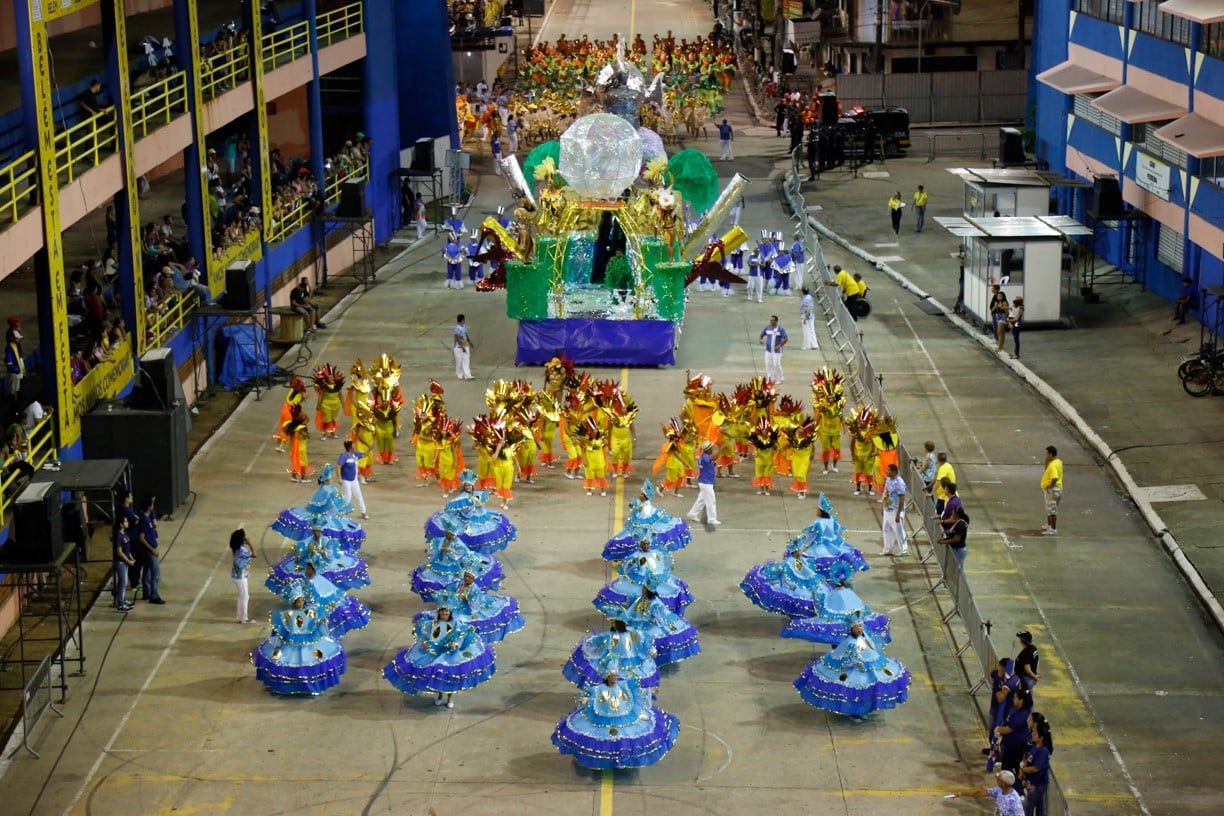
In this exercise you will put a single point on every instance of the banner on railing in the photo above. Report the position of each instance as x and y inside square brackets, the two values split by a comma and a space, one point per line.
[104, 382]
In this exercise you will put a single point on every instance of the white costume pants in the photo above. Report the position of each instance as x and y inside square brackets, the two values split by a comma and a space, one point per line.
[705, 500]
[773, 366]
[351, 491]
[894, 533]
[809, 334]
[244, 595]
[463, 363]
[756, 287]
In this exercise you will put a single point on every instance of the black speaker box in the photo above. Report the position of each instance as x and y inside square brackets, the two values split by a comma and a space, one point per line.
[1011, 147]
[157, 384]
[352, 200]
[240, 287]
[38, 529]
[828, 109]
[1107, 198]
[154, 442]
[423, 155]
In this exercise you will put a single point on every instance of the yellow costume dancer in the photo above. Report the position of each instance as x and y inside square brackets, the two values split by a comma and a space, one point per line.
[787, 415]
[764, 437]
[862, 428]
[297, 431]
[428, 412]
[673, 455]
[622, 411]
[499, 439]
[828, 403]
[293, 401]
[800, 438]
[328, 383]
[546, 430]
[450, 455]
[571, 418]
[885, 442]
[594, 457]
[362, 436]
[388, 399]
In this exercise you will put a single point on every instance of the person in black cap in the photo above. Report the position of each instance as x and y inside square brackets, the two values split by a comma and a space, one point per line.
[1027, 660]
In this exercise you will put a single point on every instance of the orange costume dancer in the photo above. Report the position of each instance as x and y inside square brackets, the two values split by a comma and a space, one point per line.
[328, 383]
[764, 437]
[885, 442]
[800, 438]
[293, 400]
[297, 431]
[571, 418]
[787, 414]
[676, 455]
[862, 428]
[828, 403]
[499, 439]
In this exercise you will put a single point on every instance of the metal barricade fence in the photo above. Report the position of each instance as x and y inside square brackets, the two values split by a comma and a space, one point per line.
[871, 389]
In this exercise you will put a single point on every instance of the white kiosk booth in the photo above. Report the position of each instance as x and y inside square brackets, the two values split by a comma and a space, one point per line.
[1023, 255]
[1006, 192]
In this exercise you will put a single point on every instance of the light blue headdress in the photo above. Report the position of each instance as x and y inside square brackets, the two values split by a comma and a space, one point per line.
[468, 476]
[825, 504]
[648, 489]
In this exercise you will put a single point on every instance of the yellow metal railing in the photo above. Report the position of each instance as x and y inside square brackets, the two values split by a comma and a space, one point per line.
[285, 45]
[248, 249]
[291, 221]
[16, 179]
[41, 440]
[340, 24]
[223, 71]
[107, 378]
[336, 184]
[87, 141]
[165, 324]
[157, 104]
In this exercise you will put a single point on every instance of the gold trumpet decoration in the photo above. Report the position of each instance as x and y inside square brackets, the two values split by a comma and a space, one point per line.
[517, 183]
[732, 239]
[508, 241]
[697, 240]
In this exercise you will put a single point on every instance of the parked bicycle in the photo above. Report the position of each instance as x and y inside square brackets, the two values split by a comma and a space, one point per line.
[1203, 377]
[1207, 354]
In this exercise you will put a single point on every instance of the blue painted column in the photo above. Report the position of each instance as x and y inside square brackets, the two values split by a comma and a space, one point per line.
[314, 118]
[381, 104]
[424, 66]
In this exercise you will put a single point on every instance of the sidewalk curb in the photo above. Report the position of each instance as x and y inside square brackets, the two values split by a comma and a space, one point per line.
[1056, 400]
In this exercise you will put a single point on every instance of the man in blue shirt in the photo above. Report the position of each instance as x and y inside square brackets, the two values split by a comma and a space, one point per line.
[149, 557]
[724, 141]
[705, 488]
[123, 561]
[773, 337]
[350, 488]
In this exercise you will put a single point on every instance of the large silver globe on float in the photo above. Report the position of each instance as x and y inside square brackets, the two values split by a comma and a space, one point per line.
[601, 155]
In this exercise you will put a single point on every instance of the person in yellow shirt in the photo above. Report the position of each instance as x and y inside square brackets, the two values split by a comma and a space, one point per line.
[944, 470]
[920, 202]
[895, 206]
[1052, 489]
[844, 281]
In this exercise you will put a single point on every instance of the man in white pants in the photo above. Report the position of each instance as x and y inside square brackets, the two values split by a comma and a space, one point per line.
[773, 337]
[463, 349]
[894, 514]
[705, 488]
[350, 487]
[807, 311]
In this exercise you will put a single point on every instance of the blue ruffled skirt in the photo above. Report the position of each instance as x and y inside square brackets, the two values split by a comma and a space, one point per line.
[426, 581]
[672, 533]
[854, 692]
[764, 587]
[498, 617]
[673, 592]
[581, 670]
[642, 742]
[834, 630]
[299, 668]
[347, 572]
[491, 533]
[296, 523]
[416, 671]
[347, 615]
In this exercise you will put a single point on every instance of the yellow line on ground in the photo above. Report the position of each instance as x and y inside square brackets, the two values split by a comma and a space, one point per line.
[605, 793]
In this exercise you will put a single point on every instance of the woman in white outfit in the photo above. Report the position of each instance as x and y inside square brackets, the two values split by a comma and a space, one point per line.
[243, 552]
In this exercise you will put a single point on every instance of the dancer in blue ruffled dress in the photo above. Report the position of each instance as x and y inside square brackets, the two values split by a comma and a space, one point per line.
[674, 637]
[630, 651]
[493, 616]
[790, 586]
[448, 656]
[837, 607]
[345, 570]
[299, 657]
[483, 531]
[616, 725]
[854, 679]
[344, 612]
[449, 558]
[665, 530]
[650, 566]
[327, 510]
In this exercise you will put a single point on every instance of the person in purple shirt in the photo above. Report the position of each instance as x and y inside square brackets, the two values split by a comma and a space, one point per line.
[123, 560]
[149, 557]
[705, 488]
[1035, 767]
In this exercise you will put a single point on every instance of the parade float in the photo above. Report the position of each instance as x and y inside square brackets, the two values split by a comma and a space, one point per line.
[608, 230]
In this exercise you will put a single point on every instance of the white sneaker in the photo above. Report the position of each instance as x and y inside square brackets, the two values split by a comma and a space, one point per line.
[691, 517]
[1049, 531]
[824, 472]
[365, 515]
[858, 492]
[835, 469]
[714, 522]
[451, 703]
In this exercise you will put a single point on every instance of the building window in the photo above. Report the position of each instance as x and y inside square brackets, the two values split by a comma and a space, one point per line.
[1141, 135]
[1082, 108]
[1169, 246]
[1151, 20]
[1112, 10]
[1213, 39]
[1211, 170]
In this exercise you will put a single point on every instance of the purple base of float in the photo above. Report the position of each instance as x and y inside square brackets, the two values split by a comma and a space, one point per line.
[593, 341]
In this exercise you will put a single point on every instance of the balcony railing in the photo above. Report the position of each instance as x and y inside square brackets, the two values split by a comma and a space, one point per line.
[249, 249]
[340, 24]
[86, 142]
[159, 103]
[165, 324]
[291, 220]
[16, 182]
[335, 184]
[223, 71]
[285, 45]
[41, 448]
